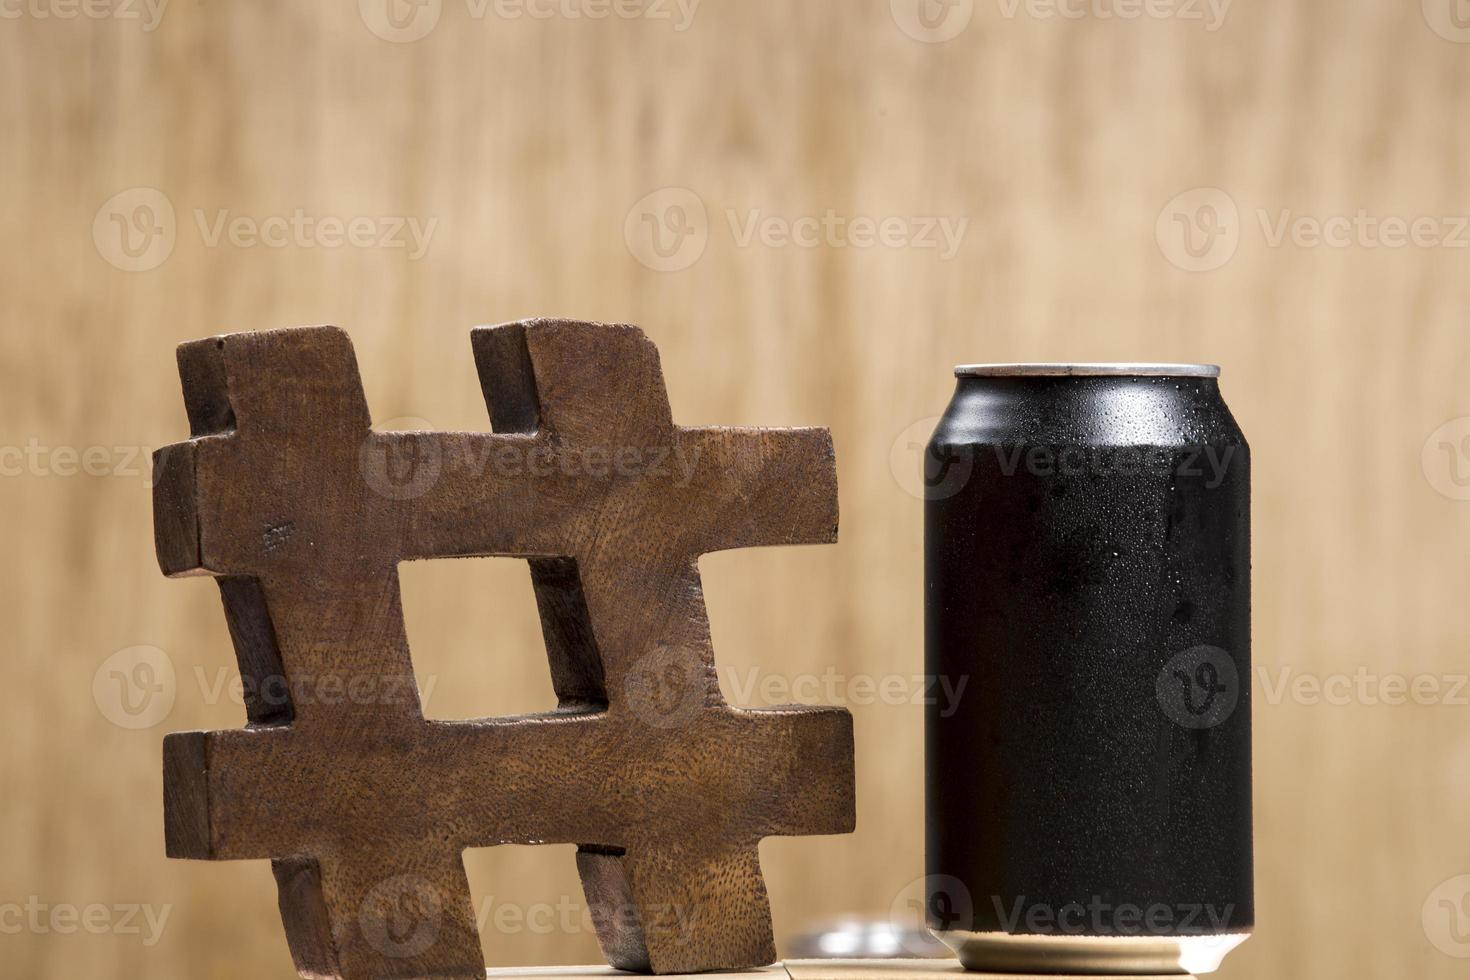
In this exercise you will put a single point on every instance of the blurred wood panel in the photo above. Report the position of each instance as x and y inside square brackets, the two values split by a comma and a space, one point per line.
[1055, 148]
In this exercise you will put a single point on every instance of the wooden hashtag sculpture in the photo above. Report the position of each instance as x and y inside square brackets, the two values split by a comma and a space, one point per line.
[302, 512]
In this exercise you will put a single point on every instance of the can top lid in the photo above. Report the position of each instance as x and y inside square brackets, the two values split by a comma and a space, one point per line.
[1086, 370]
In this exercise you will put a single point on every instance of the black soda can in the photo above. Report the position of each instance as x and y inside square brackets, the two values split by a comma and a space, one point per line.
[1087, 593]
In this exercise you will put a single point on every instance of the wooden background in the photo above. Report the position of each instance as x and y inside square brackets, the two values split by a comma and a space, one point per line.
[1061, 140]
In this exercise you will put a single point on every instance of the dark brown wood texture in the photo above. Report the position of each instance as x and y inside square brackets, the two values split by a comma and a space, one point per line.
[303, 512]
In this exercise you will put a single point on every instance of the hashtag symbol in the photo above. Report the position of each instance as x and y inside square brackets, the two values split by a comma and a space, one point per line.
[364, 806]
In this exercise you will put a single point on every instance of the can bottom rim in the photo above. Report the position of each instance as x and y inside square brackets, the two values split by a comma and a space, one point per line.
[1003, 952]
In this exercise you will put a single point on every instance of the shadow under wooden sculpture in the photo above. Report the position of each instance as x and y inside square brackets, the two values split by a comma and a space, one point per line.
[302, 512]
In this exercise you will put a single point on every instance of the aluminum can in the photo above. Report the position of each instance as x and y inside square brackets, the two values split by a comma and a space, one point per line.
[1087, 594]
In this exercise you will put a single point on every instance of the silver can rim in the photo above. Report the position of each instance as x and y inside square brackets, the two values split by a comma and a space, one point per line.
[1117, 956]
[1084, 369]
